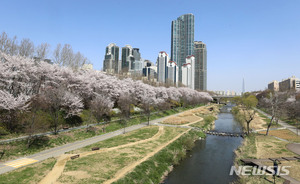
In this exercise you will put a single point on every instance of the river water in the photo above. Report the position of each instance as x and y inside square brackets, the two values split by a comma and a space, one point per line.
[211, 159]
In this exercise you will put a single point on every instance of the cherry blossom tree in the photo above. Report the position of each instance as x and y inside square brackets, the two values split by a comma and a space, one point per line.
[125, 102]
[68, 91]
[101, 106]
[59, 102]
[9, 108]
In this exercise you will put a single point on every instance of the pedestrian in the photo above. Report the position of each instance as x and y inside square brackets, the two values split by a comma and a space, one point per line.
[275, 165]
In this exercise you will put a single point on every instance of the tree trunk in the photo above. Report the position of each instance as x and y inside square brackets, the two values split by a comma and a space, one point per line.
[269, 125]
[30, 131]
[55, 123]
[248, 127]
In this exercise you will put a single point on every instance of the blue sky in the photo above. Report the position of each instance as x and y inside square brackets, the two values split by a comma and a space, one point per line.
[257, 40]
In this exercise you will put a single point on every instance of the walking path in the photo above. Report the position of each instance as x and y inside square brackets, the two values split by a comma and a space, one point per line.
[57, 151]
[62, 130]
[60, 150]
[58, 168]
[294, 147]
[131, 167]
[282, 123]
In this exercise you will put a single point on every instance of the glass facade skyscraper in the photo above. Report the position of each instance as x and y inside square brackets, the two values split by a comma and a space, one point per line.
[182, 40]
[111, 58]
[200, 53]
[127, 58]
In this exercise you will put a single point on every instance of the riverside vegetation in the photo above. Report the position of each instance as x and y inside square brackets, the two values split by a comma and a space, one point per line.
[259, 145]
[19, 148]
[107, 165]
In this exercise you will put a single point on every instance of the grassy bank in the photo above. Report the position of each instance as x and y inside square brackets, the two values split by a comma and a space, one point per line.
[206, 124]
[102, 166]
[30, 174]
[259, 146]
[18, 149]
[106, 165]
[35, 172]
[161, 163]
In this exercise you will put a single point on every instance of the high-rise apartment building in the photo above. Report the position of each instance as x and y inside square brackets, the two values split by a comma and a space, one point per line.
[172, 73]
[188, 72]
[200, 53]
[182, 40]
[138, 63]
[127, 58]
[136, 54]
[162, 61]
[110, 63]
[186, 75]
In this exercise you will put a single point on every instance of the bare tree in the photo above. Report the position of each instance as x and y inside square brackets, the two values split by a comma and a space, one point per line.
[56, 55]
[66, 57]
[13, 46]
[7, 45]
[26, 48]
[42, 50]
[79, 60]
[248, 103]
[274, 103]
[4, 43]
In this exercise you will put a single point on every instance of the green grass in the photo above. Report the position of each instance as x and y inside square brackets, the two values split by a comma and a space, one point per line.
[35, 172]
[247, 149]
[103, 166]
[268, 120]
[140, 134]
[30, 174]
[19, 148]
[206, 123]
[152, 170]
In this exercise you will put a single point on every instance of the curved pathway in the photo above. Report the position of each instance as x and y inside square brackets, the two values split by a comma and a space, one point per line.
[282, 123]
[131, 167]
[294, 147]
[60, 150]
[58, 168]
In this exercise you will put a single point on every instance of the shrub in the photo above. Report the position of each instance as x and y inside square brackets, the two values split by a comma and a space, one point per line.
[208, 119]
[3, 131]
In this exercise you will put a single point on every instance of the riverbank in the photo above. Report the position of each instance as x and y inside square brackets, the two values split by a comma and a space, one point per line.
[118, 157]
[17, 149]
[260, 146]
[211, 159]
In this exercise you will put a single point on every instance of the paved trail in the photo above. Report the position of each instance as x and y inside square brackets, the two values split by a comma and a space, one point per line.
[282, 123]
[58, 168]
[60, 150]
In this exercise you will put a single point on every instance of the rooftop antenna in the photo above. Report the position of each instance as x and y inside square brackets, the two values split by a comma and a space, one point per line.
[243, 90]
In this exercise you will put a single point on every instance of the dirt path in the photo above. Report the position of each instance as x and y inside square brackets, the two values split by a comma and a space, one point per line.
[58, 168]
[156, 136]
[131, 167]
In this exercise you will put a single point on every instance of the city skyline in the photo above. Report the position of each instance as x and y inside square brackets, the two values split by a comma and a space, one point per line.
[240, 43]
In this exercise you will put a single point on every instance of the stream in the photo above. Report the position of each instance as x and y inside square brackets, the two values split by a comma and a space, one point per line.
[211, 159]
